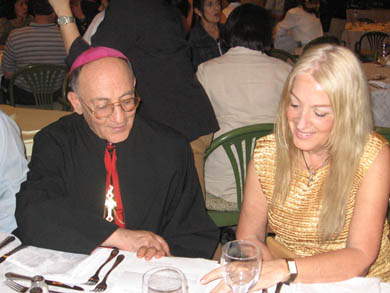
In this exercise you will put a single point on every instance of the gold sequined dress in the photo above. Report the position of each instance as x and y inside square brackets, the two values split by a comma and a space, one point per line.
[295, 225]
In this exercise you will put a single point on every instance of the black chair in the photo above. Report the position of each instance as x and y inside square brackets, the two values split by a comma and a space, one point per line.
[369, 46]
[44, 82]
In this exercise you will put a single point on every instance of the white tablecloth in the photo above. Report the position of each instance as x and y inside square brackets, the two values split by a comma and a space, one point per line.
[380, 97]
[127, 277]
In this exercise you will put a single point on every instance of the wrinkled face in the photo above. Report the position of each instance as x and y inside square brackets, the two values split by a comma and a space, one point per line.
[211, 11]
[310, 114]
[101, 82]
[21, 8]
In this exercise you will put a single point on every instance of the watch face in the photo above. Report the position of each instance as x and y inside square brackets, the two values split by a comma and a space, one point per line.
[292, 267]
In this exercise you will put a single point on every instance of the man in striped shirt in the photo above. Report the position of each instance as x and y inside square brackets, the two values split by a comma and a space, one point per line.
[39, 42]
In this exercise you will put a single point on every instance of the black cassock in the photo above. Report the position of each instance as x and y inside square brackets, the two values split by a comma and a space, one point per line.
[61, 205]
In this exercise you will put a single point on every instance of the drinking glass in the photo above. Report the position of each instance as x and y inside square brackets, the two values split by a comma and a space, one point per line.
[242, 263]
[164, 280]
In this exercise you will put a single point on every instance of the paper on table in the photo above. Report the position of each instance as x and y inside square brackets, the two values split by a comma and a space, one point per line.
[128, 277]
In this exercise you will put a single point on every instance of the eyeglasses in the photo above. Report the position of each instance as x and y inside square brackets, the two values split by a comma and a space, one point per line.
[104, 109]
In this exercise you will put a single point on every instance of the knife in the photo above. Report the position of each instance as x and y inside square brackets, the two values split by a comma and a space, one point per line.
[5, 256]
[13, 276]
[7, 240]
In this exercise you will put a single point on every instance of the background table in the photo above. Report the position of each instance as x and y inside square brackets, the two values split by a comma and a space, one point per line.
[380, 97]
[353, 32]
[31, 120]
[377, 14]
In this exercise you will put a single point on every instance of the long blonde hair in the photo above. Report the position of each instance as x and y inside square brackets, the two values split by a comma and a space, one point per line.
[341, 76]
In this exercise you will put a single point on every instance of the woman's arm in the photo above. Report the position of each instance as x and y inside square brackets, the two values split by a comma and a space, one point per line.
[254, 206]
[69, 31]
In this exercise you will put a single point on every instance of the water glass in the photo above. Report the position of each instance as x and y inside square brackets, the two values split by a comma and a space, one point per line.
[242, 263]
[164, 280]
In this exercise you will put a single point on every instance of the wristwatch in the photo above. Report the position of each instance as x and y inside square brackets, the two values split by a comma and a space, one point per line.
[292, 269]
[62, 20]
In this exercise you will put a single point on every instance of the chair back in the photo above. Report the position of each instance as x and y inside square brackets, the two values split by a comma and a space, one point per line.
[282, 55]
[43, 80]
[373, 41]
[383, 131]
[238, 145]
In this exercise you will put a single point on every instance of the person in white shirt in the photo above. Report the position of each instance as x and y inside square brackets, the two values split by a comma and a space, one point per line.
[244, 87]
[13, 170]
[299, 26]
[231, 6]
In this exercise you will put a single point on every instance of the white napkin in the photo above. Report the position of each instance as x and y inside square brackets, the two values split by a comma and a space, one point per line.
[379, 83]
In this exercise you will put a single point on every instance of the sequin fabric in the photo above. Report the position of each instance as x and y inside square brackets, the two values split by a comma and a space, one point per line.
[295, 224]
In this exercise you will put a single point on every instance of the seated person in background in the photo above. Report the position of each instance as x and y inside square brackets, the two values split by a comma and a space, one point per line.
[299, 26]
[230, 7]
[276, 8]
[105, 176]
[16, 15]
[13, 170]
[39, 42]
[322, 181]
[204, 38]
[85, 11]
[244, 86]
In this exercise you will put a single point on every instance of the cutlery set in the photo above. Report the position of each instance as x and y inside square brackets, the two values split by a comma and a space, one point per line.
[93, 280]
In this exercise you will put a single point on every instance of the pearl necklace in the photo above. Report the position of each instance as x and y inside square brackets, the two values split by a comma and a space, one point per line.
[312, 172]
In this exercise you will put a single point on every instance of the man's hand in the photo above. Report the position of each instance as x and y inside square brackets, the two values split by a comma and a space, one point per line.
[145, 243]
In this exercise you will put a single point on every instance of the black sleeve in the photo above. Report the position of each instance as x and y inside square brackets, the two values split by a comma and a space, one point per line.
[189, 232]
[47, 214]
[78, 46]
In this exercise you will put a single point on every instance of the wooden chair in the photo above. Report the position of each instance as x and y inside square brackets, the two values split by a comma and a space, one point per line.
[282, 55]
[374, 41]
[43, 80]
[238, 145]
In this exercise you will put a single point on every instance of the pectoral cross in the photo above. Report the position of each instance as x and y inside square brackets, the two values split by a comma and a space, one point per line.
[110, 204]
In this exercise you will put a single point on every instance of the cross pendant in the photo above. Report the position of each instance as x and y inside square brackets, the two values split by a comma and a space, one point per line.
[310, 180]
[110, 204]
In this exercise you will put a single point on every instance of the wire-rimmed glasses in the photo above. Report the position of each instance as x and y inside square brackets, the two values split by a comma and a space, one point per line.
[103, 109]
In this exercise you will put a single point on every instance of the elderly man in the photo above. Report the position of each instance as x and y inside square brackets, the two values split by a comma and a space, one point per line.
[105, 176]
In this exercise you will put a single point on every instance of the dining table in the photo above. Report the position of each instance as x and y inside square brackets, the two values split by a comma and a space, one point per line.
[75, 269]
[375, 14]
[378, 77]
[31, 120]
[354, 30]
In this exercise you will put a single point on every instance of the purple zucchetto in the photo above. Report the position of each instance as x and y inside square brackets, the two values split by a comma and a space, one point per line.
[95, 53]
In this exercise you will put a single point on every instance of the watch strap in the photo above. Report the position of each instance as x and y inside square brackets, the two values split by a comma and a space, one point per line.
[292, 269]
[62, 20]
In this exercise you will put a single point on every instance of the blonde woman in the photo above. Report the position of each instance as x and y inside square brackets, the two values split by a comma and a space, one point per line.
[322, 181]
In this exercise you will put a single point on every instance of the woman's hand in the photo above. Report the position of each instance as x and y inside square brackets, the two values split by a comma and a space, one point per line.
[272, 272]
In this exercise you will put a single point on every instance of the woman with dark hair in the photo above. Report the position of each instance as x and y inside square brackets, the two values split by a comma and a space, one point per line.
[299, 26]
[204, 36]
[244, 86]
[16, 15]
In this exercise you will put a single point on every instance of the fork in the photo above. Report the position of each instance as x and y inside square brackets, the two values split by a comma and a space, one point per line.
[102, 286]
[20, 288]
[95, 278]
